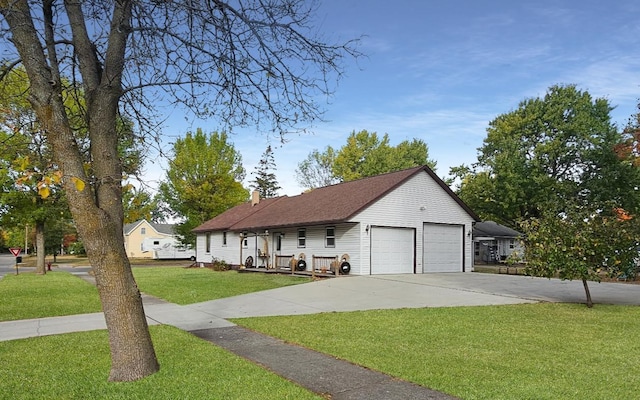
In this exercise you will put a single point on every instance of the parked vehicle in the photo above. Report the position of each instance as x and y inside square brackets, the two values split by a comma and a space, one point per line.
[168, 249]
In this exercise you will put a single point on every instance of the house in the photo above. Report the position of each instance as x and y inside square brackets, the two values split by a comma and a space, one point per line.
[494, 243]
[140, 237]
[402, 222]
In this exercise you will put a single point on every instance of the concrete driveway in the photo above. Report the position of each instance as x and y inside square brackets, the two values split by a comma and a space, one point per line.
[413, 291]
[350, 293]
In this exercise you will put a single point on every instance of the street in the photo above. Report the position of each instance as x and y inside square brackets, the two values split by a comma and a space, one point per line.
[7, 264]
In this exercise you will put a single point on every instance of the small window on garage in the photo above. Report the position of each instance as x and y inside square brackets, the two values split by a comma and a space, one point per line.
[224, 238]
[156, 242]
[207, 240]
[330, 237]
[245, 242]
[302, 237]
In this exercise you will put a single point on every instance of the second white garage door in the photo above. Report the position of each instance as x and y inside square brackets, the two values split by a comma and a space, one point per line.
[392, 250]
[443, 248]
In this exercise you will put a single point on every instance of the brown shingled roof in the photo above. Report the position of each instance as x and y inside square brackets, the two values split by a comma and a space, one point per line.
[330, 204]
[234, 215]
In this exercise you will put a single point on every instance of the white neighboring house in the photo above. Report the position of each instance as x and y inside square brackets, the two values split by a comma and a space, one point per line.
[405, 222]
[144, 239]
[494, 243]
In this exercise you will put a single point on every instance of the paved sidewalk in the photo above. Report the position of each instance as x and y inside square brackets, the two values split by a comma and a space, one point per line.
[318, 372]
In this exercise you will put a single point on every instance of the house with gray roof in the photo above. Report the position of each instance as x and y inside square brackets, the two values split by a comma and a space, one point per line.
[403, 222]
[144, 239]
[494, 243]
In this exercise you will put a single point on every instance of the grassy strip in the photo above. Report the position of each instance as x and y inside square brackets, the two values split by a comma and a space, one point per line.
[76, 366]
[533, 351]
[29, 295]
[193, 285]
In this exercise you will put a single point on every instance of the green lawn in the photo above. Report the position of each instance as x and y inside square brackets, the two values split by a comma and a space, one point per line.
[29, 295]
[76, 366]
[193, 285]
[533, 351]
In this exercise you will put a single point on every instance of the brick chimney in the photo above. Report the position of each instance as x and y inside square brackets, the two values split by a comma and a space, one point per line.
[255, 198]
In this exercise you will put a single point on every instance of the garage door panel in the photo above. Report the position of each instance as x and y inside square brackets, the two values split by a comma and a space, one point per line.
[392, 250]
[443, 248]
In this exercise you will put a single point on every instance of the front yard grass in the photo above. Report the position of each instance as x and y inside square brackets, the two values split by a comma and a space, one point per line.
[194, 285]
[28, 295]
[76, 366]
[532, 351]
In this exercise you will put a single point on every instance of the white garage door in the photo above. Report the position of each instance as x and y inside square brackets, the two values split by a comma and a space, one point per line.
[443, 248]
[392, 250]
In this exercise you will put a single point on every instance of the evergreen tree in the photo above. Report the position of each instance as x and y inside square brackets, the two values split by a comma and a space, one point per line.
[265, 181]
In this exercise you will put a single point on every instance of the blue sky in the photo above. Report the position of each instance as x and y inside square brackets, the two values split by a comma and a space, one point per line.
[441, 70]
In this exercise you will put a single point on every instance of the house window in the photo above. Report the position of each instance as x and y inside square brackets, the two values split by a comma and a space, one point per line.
[143, 231]
[302, 237]
[224, 238]
[245, 242]
[156, 242]
[278, 242]
[512, 243]
[207, 239]
[330, 237]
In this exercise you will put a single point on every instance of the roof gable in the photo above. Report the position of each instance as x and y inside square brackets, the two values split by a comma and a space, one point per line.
[329, 204]
[165, 229]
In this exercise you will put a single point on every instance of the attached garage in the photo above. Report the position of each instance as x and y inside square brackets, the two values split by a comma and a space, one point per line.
[392, 250]
[443, 248]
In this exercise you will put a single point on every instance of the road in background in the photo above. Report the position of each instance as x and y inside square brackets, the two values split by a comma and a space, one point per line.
[7, 264]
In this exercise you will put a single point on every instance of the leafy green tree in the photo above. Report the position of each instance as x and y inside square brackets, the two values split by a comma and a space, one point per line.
[203, 180]
[317, 169]
[139, 204]
[365, 154]
[31, 193]
[265, 181]
[582, 242]
[556, 147]
[256, 63]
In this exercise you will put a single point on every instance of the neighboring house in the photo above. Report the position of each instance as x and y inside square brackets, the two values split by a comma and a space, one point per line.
[138, 235]
[401, 222]
[494, 243]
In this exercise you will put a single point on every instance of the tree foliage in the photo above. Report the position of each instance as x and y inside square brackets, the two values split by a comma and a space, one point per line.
[585, 243]
[140, 204]
[365, 154]
[556, 147]
[256, 62]
[31, 192]
[203, 180]
[265, 181]
[317, 169]
[629, 147]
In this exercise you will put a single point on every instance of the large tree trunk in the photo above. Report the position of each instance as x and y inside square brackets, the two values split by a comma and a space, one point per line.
[40, 249]
[95, 199]
[132, 353]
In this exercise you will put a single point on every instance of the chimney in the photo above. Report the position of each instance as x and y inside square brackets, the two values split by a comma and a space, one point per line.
[255, 198]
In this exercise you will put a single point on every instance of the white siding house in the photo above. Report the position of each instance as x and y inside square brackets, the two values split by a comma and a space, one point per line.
[402, 222]
[495, 243]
